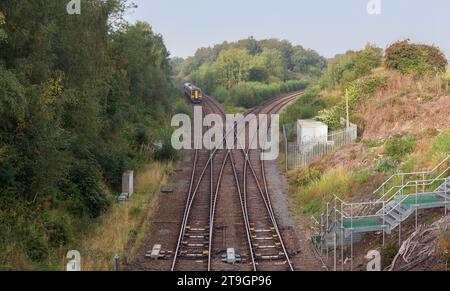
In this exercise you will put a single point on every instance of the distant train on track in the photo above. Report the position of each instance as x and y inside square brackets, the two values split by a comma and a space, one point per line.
[194, 93]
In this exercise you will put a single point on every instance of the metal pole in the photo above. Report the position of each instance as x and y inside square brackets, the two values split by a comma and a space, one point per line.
[286, 147]
[342, 249]
[342, 237]
[335, 250]
[403, 184]
[347, 108]
[327, 226]
[423, 187]
[351, 247]
[116, 263]
[417, 206]
[446, 200]
[322, 232]
[384, 222]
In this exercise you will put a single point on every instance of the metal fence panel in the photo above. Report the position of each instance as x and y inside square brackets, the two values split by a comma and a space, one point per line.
[301, 155]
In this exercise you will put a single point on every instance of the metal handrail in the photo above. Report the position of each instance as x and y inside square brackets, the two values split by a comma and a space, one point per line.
[417, 183]
[402, 175]
[430, 182]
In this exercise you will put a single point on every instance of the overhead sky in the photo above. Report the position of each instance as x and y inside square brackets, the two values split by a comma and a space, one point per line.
[328, 26]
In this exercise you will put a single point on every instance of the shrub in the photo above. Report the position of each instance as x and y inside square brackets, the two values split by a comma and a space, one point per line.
[345, 69]
[357, 90]
[442, 143]
[221, 94]
[166, 152]
[58, 233]
[397, 147]
[388, 254]
[306, 176]
[250, 94]
[385, 166]
[88, 198]
[35, 245]
[305, 107]
[337, 181]
[417, 59]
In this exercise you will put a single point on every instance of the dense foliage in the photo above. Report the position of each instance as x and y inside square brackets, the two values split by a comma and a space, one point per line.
[79, 94]
[250, 94]
[306, 107]
[356, 91]
[345, 73]
[417, 59]
[346, 68]
[248, 64]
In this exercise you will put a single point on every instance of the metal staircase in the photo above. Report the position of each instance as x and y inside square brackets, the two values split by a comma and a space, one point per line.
[400, 197]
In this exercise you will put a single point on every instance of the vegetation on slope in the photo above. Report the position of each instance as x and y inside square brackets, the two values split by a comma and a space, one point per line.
[344, 74]
[79, 95]
[404, 126]
[417, 59]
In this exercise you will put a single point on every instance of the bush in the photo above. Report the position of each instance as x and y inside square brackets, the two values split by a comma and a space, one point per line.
[35, 245]
[345, 69]
[397, 147]
[357, 90]
[388, 254]
[442, 143]
[311, 197]
[415, 59]
[306, 176]
[385, 166]
[88, 198]
[58, 233]
[166, 152]
[221, 94]
[250, 94]
[305, 107]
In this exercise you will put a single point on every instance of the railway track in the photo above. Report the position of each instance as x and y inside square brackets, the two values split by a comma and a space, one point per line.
[243, 218]
[194, 241]
[266, 237]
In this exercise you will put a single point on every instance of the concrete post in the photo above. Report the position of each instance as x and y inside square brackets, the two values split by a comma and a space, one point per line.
[128, 183]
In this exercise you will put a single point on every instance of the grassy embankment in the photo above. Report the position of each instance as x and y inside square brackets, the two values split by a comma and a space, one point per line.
[110, 235]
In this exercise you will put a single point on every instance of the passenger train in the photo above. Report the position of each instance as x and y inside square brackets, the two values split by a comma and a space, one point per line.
[194, 93]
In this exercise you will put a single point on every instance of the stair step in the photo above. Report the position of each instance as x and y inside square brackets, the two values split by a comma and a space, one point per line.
[392, 221]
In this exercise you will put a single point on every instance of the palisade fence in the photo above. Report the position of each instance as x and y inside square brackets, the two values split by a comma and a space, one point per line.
[303, 154]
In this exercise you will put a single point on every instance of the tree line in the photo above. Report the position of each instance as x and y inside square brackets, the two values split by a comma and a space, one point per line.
[78, 95]
[249, 64]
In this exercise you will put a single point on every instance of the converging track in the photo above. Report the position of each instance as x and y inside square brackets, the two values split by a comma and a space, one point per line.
[228, 206]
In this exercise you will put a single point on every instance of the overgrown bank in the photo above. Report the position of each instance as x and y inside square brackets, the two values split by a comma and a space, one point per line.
[402, 115]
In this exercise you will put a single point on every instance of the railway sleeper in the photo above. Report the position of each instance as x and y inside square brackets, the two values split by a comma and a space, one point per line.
[195, 236]
[193, 229]
[194, 255]
[270, 258]
[262, 230]
[276, 246]
[274, 237]
[194, 245]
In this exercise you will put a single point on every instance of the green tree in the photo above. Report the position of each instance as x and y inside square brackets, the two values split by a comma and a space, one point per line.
[232, 67]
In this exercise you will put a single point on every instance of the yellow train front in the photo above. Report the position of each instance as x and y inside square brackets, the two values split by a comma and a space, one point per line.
[194, 93]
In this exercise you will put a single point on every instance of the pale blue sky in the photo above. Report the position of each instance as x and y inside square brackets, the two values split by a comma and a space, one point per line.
[328, 26]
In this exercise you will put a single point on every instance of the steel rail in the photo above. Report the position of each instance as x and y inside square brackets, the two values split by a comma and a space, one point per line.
[276, 105]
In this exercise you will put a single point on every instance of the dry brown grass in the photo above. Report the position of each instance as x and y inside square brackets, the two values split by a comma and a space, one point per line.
[110, 236]
[406, 106]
